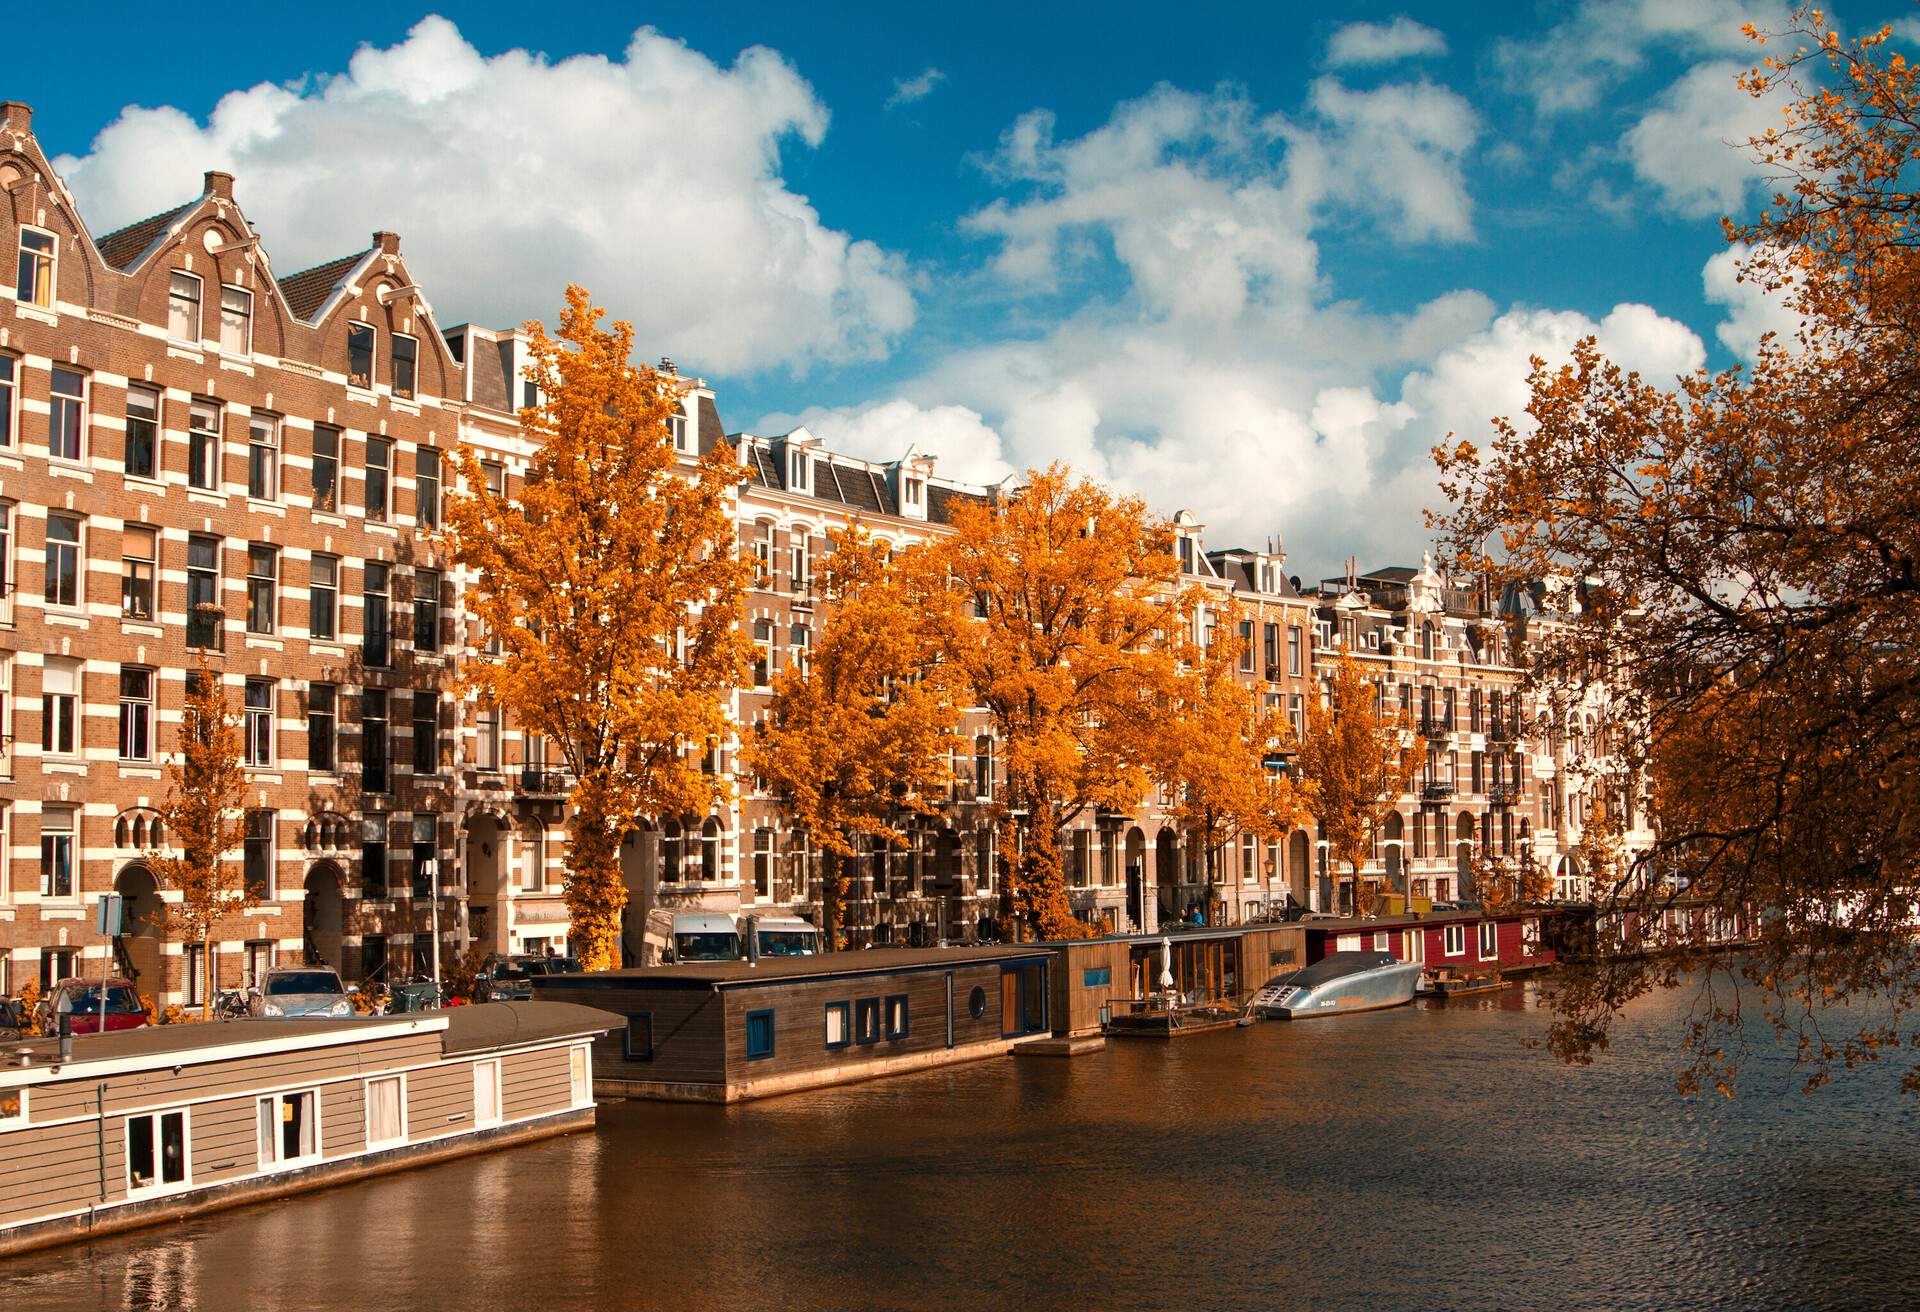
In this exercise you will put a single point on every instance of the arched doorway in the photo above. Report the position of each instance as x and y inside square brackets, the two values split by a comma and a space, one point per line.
[323, 915]
[1394, 836]
[142, 929]
[487, 882]
[1136, 858]
[1166, 874]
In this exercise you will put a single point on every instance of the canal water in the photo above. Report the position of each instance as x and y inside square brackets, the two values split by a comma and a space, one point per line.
[1418, 1158]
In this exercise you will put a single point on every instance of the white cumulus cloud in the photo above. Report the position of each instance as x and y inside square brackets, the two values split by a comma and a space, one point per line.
[1752, 310]
[654, 178]
[1691, 146]
[1354, 44]
[907, 90]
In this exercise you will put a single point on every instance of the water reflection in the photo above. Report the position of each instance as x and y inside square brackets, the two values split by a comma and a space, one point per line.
[1414, 1158]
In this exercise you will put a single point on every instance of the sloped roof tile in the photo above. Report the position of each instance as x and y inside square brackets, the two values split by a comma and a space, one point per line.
[121, 247]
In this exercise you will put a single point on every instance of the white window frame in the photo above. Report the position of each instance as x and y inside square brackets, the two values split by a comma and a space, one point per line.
[1413, 945]
[14, 1104]
[482, 1120]
[258, 423]
[799, 471]
[580, 1074]
[199, 305]
[49, 696]
[141, 708]
[10, 369]
[393, 365]
[245, 317]
[83, 437]
[159, 1186]
[47, 260]
[1454, 942]
[1489, 930]
[277, 1101]
[213, 435]
[373, 355]
[400, 1083]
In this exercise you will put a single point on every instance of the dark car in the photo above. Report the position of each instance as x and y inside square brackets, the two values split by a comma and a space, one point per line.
[80, 1000]
[13, 1020]
[510, 979]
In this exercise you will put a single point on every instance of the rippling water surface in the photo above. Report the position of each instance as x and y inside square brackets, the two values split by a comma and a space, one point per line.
[1418, 1158]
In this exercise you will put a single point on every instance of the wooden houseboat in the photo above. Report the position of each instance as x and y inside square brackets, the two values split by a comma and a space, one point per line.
[148, 1125]
[724, 1031]
[1097, 979]
[1461, 942]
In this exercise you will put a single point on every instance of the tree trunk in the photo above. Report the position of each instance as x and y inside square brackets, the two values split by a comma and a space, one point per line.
[595, 892]
[833, 866]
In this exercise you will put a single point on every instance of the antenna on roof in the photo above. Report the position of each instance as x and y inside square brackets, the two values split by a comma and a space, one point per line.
[666, 364]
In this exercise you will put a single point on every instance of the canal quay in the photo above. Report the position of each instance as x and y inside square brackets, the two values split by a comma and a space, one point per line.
[1414, 1158]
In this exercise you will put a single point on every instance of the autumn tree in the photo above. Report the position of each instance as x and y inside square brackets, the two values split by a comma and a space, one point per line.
[1359, 756]
[1748, 547]
[1060, 600]
[858, 736]
[203, 818]
[1216, 741]
[613, 584]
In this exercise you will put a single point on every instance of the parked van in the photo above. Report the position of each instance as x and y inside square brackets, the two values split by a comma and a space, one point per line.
[705, 936]
[781, 936]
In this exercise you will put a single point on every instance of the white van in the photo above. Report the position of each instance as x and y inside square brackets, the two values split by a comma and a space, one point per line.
[781, 936]
[704, 936]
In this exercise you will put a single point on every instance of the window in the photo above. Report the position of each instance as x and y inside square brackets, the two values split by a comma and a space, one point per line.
[193, 964]
[141, 454]
[183, 307]
[1294, 643]
[896, 1016]
[426, 609]
[373, 856]
[63, 561]
[323, 597]
[799, 552]
[326, 468]
[486, 1093]
[426, 835]
[263, 574]
[136, 713]
[487, 739]
[236, 321]
[360, 355]
[321, 698]
[426, 733]
[677, 431]
[289, 1128]
[1489, 940]
[866, 1020]
[67, 415]
[1455, 943]
[798, 469]
[386, 1110]
[259, 726]
[56, 852]
[529, 394]
[13, 1102]
[636, 1041]
[34, 286]
[800, 641]
[406, 355]
[977, 1002]
[373, 740]
[580, 1075]
[983, 768]
[156, 1152]
[203, 445]
[379, 470]
[1249, 858]
[60, 705]
[375, 581]
[763, 657]
[203, 591]
[763, 863]
[56, 964]
[426, 487]
[495, 475]
[9, 397]
[839, 1024]
[263, 458]
[759, 1034]
[257, 854]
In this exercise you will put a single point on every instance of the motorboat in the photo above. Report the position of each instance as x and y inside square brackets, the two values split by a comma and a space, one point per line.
[1337, 984]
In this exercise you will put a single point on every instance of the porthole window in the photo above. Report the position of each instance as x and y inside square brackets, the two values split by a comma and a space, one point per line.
[977, 1002]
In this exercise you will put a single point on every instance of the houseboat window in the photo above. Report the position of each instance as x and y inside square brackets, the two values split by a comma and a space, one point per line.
[636, 1044]
[1489, 940]
[897, 1016]
[1456, 940]
[156, 1151]
[13, 1108]
[580, 1075]
[1097, 977]
[1530, 935]
[838, 1023]
[288, 1128]
[760, 1034]
[977, 1002]
[866, 1020]
[386, 1110]
[486, 1093]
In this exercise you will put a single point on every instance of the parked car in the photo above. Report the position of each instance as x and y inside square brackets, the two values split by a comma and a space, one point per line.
[13, 1020]
[510, 978]
[80, 999]
[314, 991]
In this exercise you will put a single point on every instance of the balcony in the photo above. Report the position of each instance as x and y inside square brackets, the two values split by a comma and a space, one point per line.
[1435, 727]
[1503, 794]
[1436, 792]
[1503, 733]
[536, 782]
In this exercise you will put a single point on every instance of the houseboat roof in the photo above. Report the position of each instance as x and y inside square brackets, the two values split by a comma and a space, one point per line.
[722, 974]
[1361, 924]
[505, 1024]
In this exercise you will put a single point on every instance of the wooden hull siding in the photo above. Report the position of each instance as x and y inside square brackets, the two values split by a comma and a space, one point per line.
[1110, 974]
[701, 1039]
[65, 1168]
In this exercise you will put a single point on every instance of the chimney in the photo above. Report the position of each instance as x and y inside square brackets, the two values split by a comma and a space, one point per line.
[218, 184]
[388, 242]
[16, 114]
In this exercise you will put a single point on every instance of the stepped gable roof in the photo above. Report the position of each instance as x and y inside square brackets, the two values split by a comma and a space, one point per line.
[123, 247]
[309, 289]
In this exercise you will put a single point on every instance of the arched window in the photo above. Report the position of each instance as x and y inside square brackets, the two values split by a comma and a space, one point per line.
[670, 850]
[710, 849]
[120, 832]
[763, 553]
[983, 767]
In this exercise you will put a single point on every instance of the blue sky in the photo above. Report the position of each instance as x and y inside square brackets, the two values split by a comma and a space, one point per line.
[1246, 260]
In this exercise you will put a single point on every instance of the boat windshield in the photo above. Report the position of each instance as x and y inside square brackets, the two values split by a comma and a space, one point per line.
[303, 981]
[786, 943]
[706, 947]
[1339, 965]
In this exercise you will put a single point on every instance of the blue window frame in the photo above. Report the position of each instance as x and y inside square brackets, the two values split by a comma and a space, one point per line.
[866, 1020]
[759, 1034]
[839, 1024]
[896, 1016]
[1097, 977]
[636, 1043]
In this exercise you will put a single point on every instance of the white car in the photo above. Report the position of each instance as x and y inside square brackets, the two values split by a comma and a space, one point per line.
[310, 991]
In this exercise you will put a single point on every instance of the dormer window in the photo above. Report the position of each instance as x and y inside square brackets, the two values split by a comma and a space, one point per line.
[183, 307]
[677, 429]
[359, 355]
[1186, 555]
[236, 321]
[35, 283]
[799, 471]
[916, 488]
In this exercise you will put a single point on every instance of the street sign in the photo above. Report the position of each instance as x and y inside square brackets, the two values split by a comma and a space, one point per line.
[107, 915]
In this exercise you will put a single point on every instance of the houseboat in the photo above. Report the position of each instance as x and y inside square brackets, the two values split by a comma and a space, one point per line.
[1098, 980]
[1337, 984]
[1467, 941]
[724, 1031]
[117, 1130]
